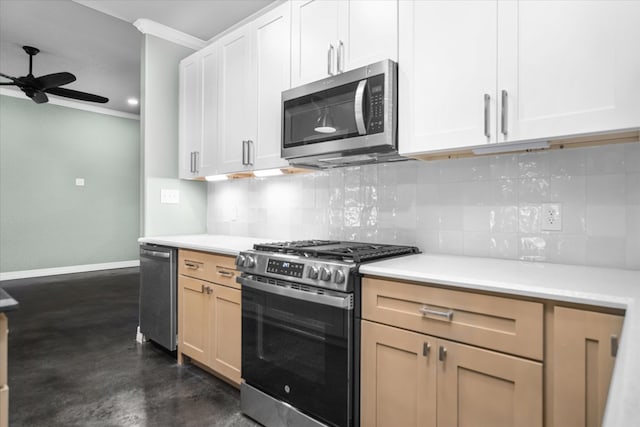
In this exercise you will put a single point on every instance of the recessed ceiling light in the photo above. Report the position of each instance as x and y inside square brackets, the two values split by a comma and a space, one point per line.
[132, 101]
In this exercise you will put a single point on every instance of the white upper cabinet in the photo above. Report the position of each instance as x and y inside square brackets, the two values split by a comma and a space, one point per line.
[272, 53]
[333, 36]
[478, 72]
[190, 115]
[236, 113]
[198, 121]
[569, 67]
[255, 64]
[447, 74]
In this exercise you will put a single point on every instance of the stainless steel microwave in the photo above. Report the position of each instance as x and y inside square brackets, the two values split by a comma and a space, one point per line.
[346, 119]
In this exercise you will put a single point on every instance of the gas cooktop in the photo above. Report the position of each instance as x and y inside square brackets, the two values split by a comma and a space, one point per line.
[337, 250]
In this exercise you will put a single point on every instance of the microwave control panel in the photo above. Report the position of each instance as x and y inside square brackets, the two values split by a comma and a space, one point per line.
[376, 105]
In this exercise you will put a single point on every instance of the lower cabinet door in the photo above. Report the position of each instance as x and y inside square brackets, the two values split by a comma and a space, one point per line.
[192, 322]
[478, 387]
[583, 360]
[226, 332]
[398, 383]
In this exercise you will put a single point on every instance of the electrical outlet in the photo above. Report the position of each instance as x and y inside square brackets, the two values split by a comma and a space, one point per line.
[551, 217]
[80, 182]
[169, 196]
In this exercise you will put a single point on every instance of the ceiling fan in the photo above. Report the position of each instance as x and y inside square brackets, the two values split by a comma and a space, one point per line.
[37, 88]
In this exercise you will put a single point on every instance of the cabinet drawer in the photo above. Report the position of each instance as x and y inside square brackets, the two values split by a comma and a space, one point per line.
[503, 324]
[210, 267]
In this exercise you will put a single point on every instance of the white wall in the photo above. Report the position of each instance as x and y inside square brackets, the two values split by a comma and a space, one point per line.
[159, 116]
[482, 206]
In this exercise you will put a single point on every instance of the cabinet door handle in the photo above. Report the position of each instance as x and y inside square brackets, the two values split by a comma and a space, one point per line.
[196, 154]
[442, 353]
[330, 59]
[504, 113]
[250, 150]
[426, 348]
[209, 290]
[487, 114]
[614, 345]
[340, 57]
[244, 152]
[191, 162]
[446, 315]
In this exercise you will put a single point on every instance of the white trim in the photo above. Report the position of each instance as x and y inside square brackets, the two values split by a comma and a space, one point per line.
[249, 19]
[147, 26]
[25, 274]
[74, 104]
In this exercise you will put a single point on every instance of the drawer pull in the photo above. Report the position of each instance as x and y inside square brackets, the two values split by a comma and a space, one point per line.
[426, 348]
[614, 345]
[192, 265]
[447, 315]
[224, 273]
[442, 353]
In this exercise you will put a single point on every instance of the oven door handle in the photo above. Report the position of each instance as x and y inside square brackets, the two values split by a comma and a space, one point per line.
[359, 108]
[344, 302]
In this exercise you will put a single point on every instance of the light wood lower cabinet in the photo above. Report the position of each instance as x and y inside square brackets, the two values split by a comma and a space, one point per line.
[412, 379]
[584, 346]
[209, 313]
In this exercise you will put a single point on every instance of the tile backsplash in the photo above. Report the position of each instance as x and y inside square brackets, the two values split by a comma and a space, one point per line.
[482, 206]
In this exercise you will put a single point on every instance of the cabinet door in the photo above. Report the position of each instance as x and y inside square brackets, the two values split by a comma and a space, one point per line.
[236, 113]
[273, 74]
[398, 383]
[209, 140]
[193, 339]
[569, 67]
[226, 332]
[368, 31]
[190, 115]
[478, 387]
[447, 76]
[314, 29]
[583, 364]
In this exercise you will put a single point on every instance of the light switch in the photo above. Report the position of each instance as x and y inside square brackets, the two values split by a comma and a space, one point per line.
[169, 196]
[80, 182]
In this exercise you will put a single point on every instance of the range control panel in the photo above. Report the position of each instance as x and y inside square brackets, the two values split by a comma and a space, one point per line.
[287, 268]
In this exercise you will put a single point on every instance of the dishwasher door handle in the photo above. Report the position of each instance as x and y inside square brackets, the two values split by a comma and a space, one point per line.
[155, 254]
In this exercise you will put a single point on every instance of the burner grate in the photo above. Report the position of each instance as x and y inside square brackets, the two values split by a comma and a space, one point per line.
[337, 250]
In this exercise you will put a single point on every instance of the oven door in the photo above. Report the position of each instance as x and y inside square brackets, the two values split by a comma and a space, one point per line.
[297, 346]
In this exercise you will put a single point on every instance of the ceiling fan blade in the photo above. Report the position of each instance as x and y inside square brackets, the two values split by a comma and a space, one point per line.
[39, 97]
[82, 96]
[8, 84]
[8, 77]
[54, 80]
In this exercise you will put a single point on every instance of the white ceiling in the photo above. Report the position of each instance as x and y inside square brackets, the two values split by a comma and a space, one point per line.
[95, 39]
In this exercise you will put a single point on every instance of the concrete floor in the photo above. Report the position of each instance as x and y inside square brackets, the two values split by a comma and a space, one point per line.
[74, 361]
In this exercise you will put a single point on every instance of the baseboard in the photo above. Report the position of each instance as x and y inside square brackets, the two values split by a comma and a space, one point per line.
[25, 274]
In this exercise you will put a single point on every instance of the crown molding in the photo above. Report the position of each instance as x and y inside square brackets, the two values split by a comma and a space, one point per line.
[74, 104]
[147, 26]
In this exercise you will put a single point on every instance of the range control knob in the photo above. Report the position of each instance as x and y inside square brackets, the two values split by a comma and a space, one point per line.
[312, 273]
[240, 260]
[249, 261]
[325, 274]
[339, 277]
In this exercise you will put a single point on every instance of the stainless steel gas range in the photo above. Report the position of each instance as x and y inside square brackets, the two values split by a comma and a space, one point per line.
[300, 330]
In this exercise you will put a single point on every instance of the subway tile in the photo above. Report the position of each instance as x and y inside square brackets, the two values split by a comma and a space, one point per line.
[369, 216]
[477, 243]
[532, 247]
[567, 189]
[633, 188]
[606, 252]
[503, 245]
[632, 156]
[477, 193]
[428, 218]
[428, 241]
[529, 218]
[609, 221]
[606, 159]
[533, 165]
[451, 217]
[567, 162]
[451, 242]
[566, 249]
[606, 189]
[466, 169]
[505, 191]
[533, 190]
[574, 218]
[633, 254]
[352, 216]
[504, 166]
[476, 218]
[428, 172]
[504, 219]
[451, 193]
[426, 194]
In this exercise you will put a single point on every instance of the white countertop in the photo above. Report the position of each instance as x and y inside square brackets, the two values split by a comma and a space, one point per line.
[577, 284]
[603, 287]
[221, 244]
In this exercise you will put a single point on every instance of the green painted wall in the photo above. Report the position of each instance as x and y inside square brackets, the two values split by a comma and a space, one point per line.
[45, 219]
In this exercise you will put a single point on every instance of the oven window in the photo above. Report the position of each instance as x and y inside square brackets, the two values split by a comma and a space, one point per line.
[299, 352]
[322, 116]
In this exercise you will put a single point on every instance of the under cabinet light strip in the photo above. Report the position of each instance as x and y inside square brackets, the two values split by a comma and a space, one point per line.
[507, 148]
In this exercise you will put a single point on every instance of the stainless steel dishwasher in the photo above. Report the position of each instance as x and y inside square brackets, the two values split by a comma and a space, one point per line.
[158, 276]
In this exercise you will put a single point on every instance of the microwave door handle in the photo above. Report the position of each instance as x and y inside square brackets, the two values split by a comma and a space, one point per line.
[358, 107]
